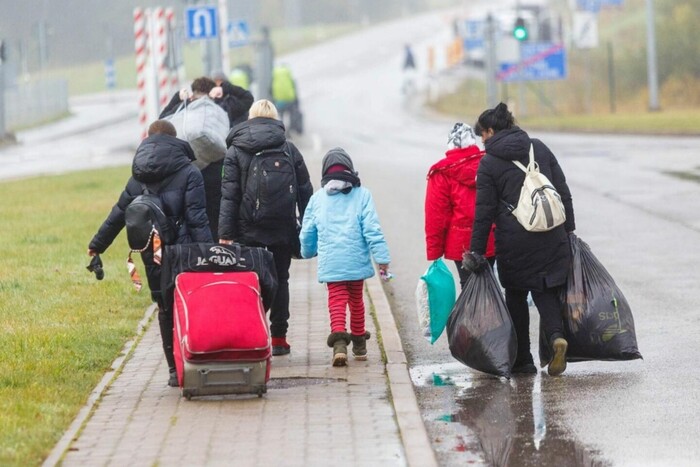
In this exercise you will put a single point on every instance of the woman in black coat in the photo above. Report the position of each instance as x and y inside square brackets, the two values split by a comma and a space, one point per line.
[164, 164]
[262, 219]
[535, 262]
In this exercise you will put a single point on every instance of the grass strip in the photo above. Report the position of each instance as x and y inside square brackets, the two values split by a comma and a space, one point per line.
[60, 328]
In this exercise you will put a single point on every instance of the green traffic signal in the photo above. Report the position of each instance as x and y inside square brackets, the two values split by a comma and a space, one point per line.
[520, 30]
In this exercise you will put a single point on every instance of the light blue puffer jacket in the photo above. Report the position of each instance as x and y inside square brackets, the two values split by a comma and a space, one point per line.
[343, 229]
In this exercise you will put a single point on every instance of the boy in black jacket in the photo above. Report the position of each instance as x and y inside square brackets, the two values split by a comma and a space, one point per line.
[161, 156]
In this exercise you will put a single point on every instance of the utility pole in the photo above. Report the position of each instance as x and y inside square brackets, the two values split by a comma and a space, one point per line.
[491, 62]
[223, 34]
[3, 49]
[652, 73]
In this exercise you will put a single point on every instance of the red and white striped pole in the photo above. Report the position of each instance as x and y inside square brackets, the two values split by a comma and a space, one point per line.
[172, 65]
[141, 52]
[160, 53]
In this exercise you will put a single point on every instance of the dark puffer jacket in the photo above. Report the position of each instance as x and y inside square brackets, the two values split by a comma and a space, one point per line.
[244, 141]
[526, 260]
[157, 158]
[236, 101]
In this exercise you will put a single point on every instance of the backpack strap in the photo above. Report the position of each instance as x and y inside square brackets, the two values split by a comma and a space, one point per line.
[532, 162]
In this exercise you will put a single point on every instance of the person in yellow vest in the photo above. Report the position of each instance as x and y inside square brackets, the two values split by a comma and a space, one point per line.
[240, 78]
[284, 95]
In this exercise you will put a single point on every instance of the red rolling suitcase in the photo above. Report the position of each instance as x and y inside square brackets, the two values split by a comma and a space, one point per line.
[221, 335]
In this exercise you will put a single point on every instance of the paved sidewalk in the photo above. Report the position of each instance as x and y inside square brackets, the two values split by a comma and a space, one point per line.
[312, 415]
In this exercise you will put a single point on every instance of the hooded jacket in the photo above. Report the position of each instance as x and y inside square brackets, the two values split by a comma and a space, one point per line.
[244, 141]
[157, 158]
[236, 101]
[450, 200]
[526, 260]
[343, 229]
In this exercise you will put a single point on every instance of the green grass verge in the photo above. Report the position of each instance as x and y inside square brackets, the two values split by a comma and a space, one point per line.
[61, 329]
[667, 122]
[468, 101]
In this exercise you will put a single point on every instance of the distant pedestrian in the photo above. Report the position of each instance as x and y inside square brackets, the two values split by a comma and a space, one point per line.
[450, 199]
[408, 86]
[235, 100]
[341, 225]
[241, 76]
[286, 98]
[265, 183]
[535, 262]
[211, 171]
[160, 157]
[409, 60]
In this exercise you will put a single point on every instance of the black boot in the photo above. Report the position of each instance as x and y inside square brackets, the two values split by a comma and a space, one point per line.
[339, 342]
[172, 378]
[166, 333]
[359, 346]
[524, 366]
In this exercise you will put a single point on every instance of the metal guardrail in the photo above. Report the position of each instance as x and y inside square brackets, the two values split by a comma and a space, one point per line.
[28, 104]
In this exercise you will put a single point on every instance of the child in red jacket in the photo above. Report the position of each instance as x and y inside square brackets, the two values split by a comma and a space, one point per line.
[450, 200]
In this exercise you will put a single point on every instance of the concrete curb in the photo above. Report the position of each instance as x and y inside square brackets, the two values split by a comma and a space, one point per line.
[73, 430]
[419, 450]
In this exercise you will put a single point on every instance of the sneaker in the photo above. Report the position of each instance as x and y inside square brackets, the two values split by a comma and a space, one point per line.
[280, 346]
[172, 380]
[558, 363]
[524, 369]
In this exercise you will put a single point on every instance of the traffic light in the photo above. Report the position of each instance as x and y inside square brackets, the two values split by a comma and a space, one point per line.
[520, 30]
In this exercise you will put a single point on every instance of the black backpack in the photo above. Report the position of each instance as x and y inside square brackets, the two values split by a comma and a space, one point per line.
[145, 215]
[270, 188]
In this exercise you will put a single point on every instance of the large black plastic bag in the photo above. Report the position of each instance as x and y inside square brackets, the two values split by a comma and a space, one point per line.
[480, 332]
[598, 323]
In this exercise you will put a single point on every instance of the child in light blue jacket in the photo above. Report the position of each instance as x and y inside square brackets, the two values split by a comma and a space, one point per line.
[341, 226]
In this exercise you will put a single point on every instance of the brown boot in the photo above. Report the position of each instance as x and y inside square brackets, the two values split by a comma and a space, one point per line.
[558, 363]
[339, 342]
[359, 346]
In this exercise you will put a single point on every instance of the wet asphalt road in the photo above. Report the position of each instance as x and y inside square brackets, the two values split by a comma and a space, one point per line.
[640, 221]
[632, 207]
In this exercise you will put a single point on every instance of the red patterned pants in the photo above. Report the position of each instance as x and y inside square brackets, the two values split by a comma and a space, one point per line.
[343, 295]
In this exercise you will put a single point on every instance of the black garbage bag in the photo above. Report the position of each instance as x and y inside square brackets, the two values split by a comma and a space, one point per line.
[598, 323]
[479, 330]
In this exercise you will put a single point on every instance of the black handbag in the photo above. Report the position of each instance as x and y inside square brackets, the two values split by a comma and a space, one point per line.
[216, 257]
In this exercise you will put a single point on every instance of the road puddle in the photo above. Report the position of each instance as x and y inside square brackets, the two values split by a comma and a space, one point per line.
[442, 374]
[507, 421]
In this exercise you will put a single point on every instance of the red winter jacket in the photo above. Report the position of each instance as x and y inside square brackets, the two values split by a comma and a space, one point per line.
[450, 200]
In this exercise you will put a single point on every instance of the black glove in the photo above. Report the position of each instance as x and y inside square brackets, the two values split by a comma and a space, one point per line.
[96, 267]
[474, 262]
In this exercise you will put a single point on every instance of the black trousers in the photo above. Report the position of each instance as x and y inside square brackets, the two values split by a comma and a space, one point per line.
[165, 318]
[212, 190]
[279, 311]
[549, 306]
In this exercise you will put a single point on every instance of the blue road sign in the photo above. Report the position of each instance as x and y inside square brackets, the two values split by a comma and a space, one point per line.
[539, 61]
[202, 22]
[238, 33]
[474, 34]
[589, 5]
[110, 74]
